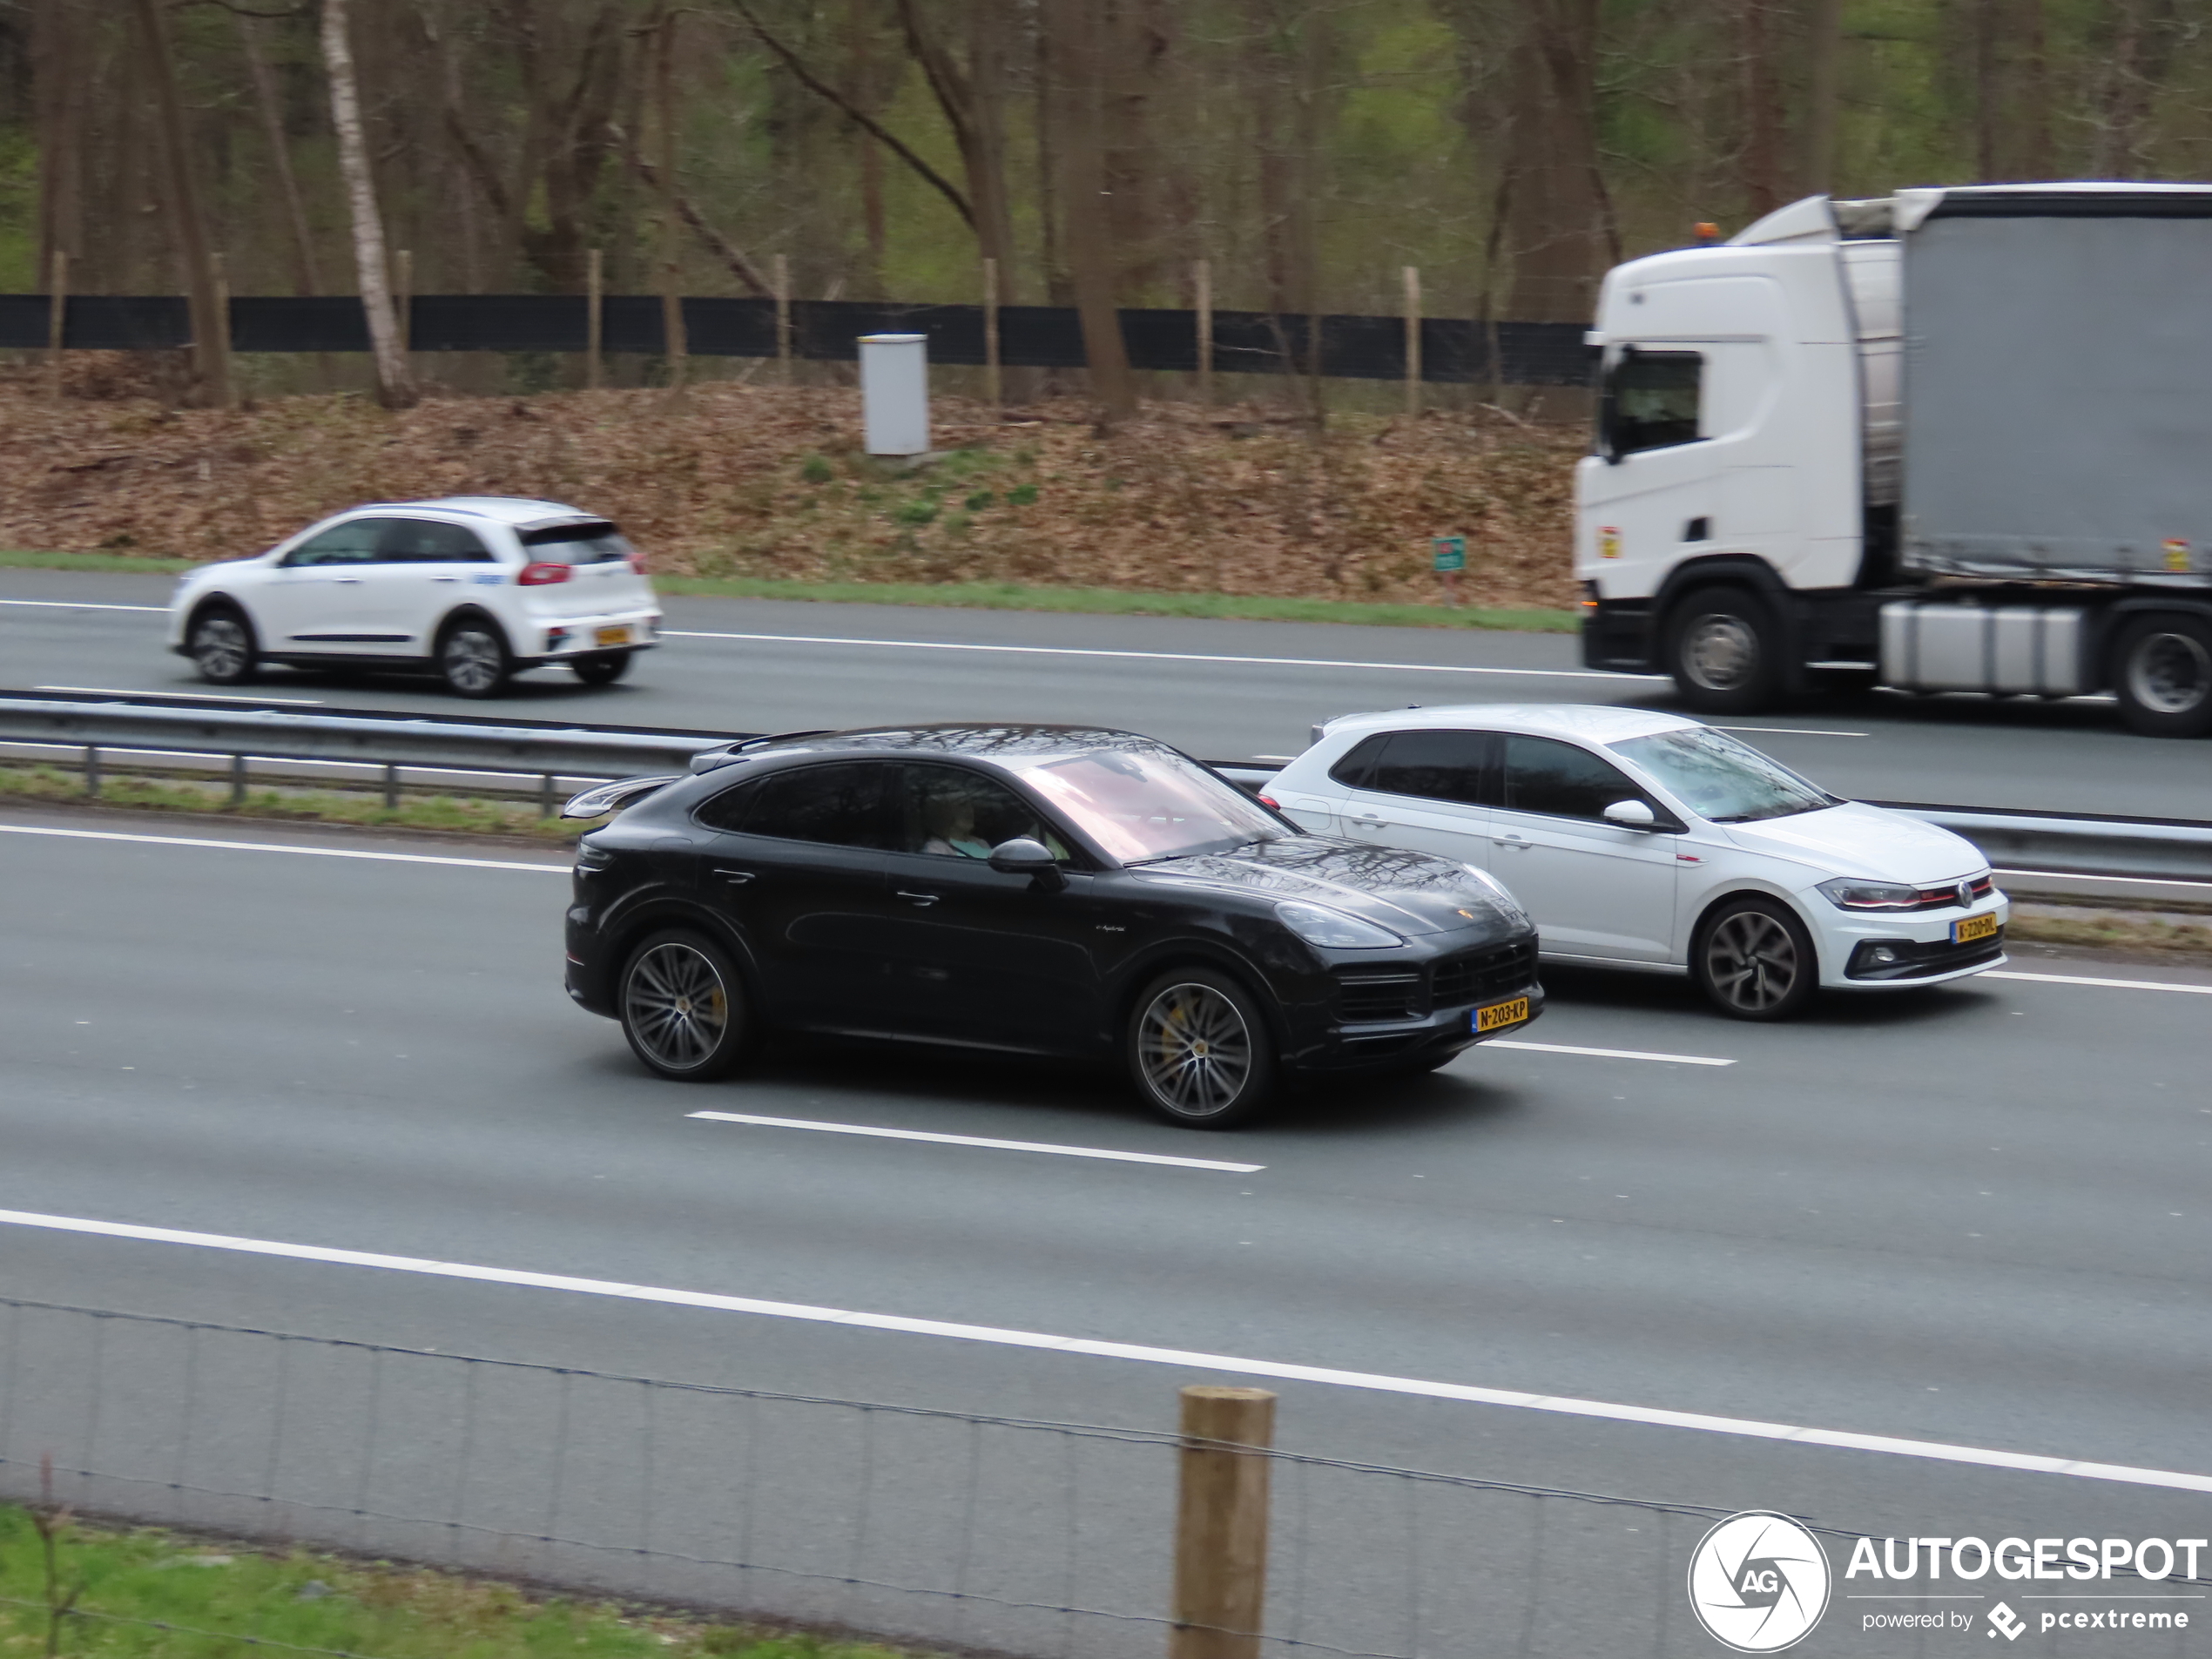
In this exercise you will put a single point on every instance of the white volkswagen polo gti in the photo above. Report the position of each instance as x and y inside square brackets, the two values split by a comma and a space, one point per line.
[472, 587]
[1651, 841]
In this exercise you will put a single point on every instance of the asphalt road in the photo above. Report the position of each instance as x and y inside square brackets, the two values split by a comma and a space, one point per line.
[1229, 690]
[1974, 1216]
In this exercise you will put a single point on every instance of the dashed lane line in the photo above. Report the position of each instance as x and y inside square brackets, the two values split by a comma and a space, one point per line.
[76, 604]
[1892, 1446]
[2108, 984]
[1054, 1147]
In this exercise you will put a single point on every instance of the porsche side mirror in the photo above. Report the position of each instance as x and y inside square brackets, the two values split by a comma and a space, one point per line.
[1023, 856]
[1631, 814]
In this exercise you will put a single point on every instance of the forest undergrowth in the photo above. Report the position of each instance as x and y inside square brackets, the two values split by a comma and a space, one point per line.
[770, 482]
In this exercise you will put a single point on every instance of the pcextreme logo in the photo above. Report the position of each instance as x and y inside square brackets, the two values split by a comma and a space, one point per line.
[1758, 1582]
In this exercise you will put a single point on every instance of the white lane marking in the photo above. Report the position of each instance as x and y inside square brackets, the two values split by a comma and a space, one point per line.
[2109, 984]
[1607, 1054]
[2133, 880]
[1654, 1416]
[1793, 731]
[983, 1141]
[197, 697]
[1165, 655]
[77, 604]
[278, 847]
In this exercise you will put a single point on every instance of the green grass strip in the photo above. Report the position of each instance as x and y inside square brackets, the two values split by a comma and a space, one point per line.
[1121, 602]
[986, 596]
[135, 1580]
[119, 564]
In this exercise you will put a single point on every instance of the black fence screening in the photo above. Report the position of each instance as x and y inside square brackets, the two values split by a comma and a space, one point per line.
[1454, 350]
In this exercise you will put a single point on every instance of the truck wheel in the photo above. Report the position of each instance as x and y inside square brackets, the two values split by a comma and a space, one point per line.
[2163, 672]
[1722, 653]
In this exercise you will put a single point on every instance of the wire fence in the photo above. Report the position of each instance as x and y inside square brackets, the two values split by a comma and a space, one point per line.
[976, 1532]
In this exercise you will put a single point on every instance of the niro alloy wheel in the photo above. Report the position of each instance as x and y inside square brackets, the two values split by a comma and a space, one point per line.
[221, 645]
[1754, 961]
[1200, 1051]
[683, 1008]
[2164, 675]
[1722, 651]
[473, 660]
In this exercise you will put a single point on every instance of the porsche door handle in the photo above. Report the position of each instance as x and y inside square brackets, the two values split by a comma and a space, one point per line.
[735, 878]
[925, 900]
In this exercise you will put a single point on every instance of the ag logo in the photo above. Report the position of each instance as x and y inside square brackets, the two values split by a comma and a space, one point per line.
[1758, 1582]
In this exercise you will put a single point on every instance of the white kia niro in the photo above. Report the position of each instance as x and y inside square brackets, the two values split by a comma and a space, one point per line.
[474, 588]
[1651, 841]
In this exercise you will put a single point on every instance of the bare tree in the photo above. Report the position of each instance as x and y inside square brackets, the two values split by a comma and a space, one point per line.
[395, 383]
[210, 328]
[295, 207]
[1078, 93]
[1824, 92]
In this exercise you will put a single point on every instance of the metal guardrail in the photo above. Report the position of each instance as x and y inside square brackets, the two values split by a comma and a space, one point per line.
[2061, 844]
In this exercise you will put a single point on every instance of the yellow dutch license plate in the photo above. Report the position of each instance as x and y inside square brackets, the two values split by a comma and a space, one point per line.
[612, 636]
[1967, 929]
[1499, 1015]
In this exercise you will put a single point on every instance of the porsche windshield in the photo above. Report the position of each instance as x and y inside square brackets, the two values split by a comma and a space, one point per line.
[1720, 780]
[1144, 805]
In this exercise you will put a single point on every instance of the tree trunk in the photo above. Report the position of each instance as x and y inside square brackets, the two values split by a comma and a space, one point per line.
[972, 101]
[1824, 96]
[1554, 224]
[58, 51]
[210, 333]
[1762, 111]
[295, 210]
[394, 384]
[676, 348]
[1076, 49]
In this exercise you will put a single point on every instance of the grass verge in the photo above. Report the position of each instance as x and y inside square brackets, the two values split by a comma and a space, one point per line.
[984, 596]
[2096, 927]
[135, 1580]
[449, 813]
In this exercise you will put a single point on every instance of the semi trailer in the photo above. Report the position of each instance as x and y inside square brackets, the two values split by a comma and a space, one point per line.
[1951, 439]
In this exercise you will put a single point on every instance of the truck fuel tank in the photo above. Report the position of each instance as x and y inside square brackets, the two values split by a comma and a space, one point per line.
[1938, 645]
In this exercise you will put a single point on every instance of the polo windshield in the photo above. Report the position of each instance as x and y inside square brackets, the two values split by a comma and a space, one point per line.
[1720, 780]
[1140, 805]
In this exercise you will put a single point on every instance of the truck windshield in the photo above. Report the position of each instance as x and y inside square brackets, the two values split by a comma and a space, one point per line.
[1720, 780]
[1141, 806]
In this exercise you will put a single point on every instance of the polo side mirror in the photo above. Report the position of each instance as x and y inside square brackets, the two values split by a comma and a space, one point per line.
[1631, 814]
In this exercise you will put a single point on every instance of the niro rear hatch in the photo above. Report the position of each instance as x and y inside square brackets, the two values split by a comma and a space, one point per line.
[602, 567]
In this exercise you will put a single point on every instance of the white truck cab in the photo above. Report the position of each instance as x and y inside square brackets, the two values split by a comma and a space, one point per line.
[1782, 496]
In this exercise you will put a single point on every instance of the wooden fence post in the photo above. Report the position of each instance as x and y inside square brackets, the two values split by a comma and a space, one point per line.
[993, 392]
[1221, 1524]
[1412, 339]
[1202, 295]
[783, 317]
[57, 316]
[595, 326]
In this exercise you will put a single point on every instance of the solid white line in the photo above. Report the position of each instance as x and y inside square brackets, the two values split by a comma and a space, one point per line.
[1891, 1444]
[1607, 1054]
[279, 846]
[2136, 880]
[77, 604]
[197, 697]
[1167, 655]
[983, 1141]
[2109, 984]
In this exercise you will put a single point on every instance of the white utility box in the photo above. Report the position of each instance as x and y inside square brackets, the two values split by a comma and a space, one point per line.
[895, 393]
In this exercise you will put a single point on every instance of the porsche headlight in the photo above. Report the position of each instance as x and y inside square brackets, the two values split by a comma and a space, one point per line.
[1318, 925]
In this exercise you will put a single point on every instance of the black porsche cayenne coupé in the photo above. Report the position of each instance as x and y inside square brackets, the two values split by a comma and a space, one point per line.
[1052, 890]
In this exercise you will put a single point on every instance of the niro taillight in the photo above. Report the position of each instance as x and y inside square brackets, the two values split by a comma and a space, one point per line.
[543, 574]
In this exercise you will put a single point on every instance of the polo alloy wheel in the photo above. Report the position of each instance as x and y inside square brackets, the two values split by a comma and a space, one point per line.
[1756, 961]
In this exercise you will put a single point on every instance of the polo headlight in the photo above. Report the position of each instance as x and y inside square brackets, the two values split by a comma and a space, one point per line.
[1333, 929]
[1848, 894]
